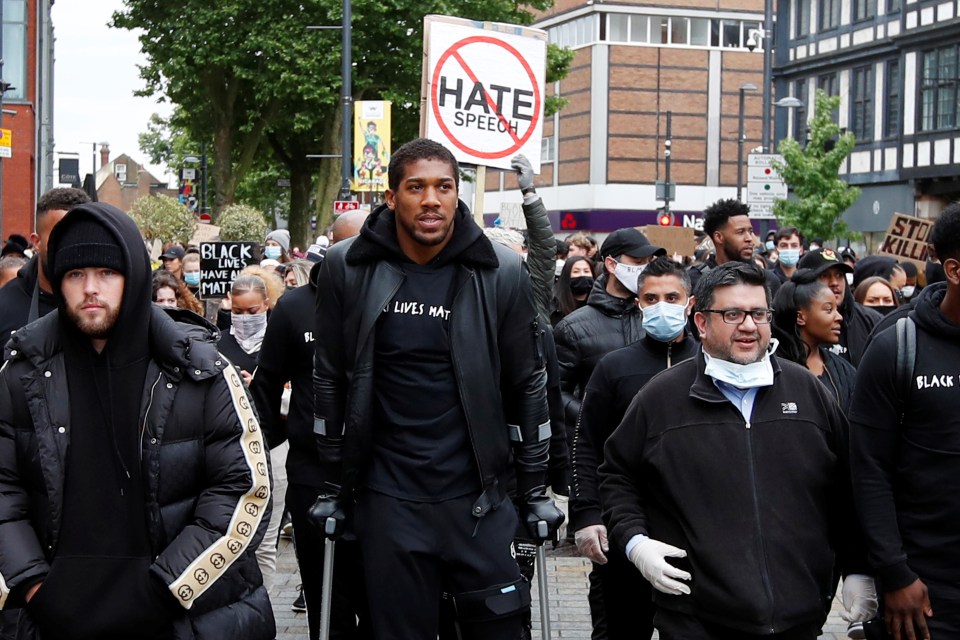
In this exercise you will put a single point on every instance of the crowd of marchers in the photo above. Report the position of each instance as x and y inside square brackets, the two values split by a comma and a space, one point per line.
[730, 437]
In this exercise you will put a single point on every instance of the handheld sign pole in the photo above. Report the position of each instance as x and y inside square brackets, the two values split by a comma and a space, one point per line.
[542, 581]
[327, 583]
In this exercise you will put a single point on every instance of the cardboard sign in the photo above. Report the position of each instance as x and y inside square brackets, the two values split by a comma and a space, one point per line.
[221, 263]
[674, 239]
[906, 239]
[205, 232]
[483, 91]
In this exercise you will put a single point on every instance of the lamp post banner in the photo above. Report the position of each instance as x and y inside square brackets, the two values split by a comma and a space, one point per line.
[483, 90]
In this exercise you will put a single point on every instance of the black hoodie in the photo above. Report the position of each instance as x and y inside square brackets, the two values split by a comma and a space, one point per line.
[16, 297]
[906, 476]
[99, 585]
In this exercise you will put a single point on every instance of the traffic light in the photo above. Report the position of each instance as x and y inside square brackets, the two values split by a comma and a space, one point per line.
[665, 219]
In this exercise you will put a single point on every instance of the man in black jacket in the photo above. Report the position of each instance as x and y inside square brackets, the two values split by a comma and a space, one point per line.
[905, 438]
[733, 464]
[134, 479]
[664, 299]
[30, 296]
[858, 320]
[429, 370]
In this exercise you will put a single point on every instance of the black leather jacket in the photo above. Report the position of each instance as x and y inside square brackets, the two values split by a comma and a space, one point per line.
[495, 347]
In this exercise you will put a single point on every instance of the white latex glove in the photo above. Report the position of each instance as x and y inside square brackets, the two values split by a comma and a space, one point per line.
[592, 543]
[859, 597]
[524, 169]
[650, 557]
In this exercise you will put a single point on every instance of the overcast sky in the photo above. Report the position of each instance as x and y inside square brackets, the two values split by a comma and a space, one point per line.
[95, 76]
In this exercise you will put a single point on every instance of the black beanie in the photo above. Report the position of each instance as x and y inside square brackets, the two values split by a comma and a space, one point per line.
[86, 243]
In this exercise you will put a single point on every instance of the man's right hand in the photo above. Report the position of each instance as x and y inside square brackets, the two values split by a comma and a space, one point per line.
[32, 591]
[328, 517]
[906, 611]
[592, 543]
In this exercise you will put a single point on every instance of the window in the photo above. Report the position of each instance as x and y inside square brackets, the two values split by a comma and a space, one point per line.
[576, 32]
[731, 33]
[800, 113]
[546, 149]
[864, 9]
[938, 89]
[639, 29]
[618, 27]
[891, 87]
[15, 48]
[679, 30]
[659, 30]
[861, 104]
[829, 14]
[802, 15]
[893, 6]
[700, 32]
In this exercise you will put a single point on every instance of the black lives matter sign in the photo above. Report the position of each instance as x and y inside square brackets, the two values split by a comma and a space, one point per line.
[485, 90]
[221, 263]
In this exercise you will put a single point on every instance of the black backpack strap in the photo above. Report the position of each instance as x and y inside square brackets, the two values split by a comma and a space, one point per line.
[906, 360]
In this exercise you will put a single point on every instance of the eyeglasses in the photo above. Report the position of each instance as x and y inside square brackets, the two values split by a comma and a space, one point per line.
[737, 316]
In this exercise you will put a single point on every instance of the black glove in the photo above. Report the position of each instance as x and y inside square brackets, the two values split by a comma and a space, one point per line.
[328, 517]
[540, 515]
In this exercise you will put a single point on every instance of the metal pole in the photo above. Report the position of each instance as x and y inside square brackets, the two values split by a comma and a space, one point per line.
[669, 154]
[326, 588]
[203, 178]
[346, 95]
[544, 593]
[3, 90]
[740, 136]
[767, 71]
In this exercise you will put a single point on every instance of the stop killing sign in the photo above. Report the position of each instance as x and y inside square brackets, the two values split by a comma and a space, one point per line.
[484, 90]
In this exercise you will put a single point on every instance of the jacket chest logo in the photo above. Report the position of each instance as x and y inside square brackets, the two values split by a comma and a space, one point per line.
[788, 408]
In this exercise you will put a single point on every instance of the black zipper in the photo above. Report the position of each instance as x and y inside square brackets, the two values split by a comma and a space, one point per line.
[764, 570]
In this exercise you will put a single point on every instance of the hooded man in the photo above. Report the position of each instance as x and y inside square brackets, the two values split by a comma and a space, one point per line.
[134, 475]
[430, 406]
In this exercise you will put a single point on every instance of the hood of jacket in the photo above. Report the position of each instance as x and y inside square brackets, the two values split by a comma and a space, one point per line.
[128, 339]
[926, 312]
[607, 304]
[378, 241]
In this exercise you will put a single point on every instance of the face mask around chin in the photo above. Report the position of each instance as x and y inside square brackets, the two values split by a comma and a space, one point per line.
[627, 274]
[743, 376]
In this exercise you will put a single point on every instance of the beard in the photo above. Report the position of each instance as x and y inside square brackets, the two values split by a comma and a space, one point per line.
[429, 239]
[98, 327]
[726, 352]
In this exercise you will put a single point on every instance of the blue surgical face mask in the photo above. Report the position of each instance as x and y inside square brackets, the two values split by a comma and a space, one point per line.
[769, 244]
[627, 274]
[789, 257]
[272, 252]
[192, 278]
[664, 321]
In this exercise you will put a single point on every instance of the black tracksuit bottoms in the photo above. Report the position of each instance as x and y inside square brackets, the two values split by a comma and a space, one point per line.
[413, 552]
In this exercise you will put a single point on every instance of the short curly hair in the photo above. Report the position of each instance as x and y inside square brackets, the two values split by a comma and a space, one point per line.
[419, 149]
[717, 214]
[945, 234]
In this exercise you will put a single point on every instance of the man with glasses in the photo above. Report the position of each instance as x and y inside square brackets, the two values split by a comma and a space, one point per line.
[727, 482]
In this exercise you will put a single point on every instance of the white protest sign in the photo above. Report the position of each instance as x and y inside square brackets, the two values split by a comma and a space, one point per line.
[484, 90]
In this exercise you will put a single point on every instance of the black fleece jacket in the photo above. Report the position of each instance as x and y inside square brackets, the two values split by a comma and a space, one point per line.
[858, 322]
[760, 507]
[905, 444]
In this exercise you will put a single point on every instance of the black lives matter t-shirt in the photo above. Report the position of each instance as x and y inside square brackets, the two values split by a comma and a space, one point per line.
[422, 450]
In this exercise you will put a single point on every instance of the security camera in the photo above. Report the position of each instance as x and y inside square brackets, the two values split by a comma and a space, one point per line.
[753, 39]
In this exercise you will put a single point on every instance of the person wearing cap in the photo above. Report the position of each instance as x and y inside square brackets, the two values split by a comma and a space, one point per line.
[727, 224]
[277, 246]
[858, 321]
[727, 483]
[30, 295]
[172, 259]
[134, 486]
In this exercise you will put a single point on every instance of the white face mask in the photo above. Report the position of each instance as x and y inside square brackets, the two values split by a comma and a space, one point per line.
[248, 329]
[849, 277]
[743, 376]
[627, 274]
[908, 291]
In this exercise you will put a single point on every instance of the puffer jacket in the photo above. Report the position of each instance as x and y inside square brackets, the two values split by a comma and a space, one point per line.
[495, 348]
[203, 464]
[605, 324]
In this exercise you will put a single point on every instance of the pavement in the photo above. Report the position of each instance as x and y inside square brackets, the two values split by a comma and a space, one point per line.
[567, 583]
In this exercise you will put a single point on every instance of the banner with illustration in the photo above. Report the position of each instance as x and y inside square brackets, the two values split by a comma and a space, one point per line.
[371, 145]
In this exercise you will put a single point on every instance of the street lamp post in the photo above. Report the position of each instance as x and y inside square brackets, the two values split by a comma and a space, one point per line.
[741, 135]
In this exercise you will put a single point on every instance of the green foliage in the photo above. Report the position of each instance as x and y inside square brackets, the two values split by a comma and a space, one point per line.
[163, 218]
[559, 60]
[812, 172]
[240, 222]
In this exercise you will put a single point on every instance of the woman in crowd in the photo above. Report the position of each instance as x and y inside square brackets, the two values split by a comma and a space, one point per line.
[277, 246]
[806, 321]
[249, 302]
[572, 287]
[170, 291]
[297, 273]
[877, 292]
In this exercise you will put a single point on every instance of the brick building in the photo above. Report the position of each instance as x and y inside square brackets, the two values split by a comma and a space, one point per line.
[121, 181]
[27, 111]
[604, 152]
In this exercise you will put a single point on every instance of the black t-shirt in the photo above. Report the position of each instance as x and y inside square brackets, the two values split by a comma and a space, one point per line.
[422, 448]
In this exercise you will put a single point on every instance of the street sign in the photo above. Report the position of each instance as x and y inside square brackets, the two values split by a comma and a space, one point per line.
[763, 159]
[764, 184]
[484, 89]
[6, 143]
[342, 206]
[764, 192]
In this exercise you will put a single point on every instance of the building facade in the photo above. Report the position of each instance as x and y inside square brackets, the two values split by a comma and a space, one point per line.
[122, 181]
[635, 63]
[27, 111]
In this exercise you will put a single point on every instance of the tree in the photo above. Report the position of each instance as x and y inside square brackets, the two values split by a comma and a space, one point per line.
[240, 222]
[813, 174]
[162, 218]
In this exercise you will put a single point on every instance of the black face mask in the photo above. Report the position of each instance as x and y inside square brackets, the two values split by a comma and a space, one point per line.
[883, 309]
[581, 285]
